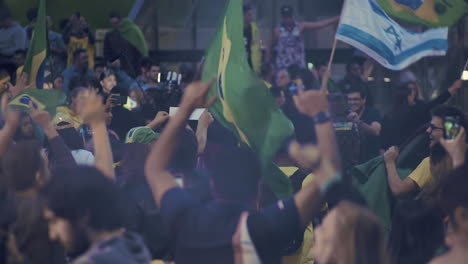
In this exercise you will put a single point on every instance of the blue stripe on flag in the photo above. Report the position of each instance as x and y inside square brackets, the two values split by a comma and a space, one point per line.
[383, 50]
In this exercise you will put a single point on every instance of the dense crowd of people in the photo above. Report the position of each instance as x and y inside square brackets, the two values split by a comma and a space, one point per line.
[111, 177]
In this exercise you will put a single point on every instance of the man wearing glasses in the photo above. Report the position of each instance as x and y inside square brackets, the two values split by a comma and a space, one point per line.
[432, 168]
[368, 120]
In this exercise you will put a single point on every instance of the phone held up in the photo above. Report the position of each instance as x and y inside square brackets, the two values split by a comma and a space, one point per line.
[451, 127]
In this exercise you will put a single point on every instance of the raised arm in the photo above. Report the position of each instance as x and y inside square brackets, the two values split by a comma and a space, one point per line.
[11, 119]
[92, 111]
[160, 118]
[319, 24]
[157, 165]
[398, 186]
[309, 199]
[58, 148]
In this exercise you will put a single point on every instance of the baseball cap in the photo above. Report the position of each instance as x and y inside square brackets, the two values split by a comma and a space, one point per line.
[287, 11]
[144, 135]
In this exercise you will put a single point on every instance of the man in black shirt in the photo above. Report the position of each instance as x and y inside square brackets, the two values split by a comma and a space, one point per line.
[368, 122]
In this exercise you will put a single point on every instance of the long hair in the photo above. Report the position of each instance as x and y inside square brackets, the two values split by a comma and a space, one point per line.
[362, 239]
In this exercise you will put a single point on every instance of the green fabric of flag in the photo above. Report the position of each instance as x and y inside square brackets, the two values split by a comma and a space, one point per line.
[434, 13]
[371, 178]
[37, 52]
[46, 100]
[245, 105]
[132, 33]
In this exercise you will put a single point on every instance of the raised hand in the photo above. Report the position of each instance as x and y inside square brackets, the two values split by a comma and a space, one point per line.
[391, 154]
[10, 116]
[92, 110]
[40, 117]
[457, 85]
[195, 95]
[456, 148]
[311, 102]
[21, 85]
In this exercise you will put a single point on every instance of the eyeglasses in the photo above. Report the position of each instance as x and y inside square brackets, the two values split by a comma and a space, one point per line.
[433, 127]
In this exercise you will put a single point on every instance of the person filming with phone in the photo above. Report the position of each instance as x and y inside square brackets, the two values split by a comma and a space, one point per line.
[447, 151]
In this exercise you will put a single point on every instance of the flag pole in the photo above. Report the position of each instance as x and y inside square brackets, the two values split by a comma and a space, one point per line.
[330, 61]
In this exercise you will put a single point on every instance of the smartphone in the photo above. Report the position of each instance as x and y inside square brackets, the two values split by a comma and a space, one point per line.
[131, 104]
[120, 100]
[293, 88]
[451, 127]
[310, 65]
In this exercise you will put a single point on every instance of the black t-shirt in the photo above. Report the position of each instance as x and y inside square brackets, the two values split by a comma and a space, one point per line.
[219, 232]
[248, 43]
[370, 145]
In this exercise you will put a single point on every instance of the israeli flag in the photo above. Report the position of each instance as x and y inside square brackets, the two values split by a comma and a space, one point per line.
[368, 28]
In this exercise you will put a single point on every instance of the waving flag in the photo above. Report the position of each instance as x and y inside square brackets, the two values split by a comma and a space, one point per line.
[431, 13]
[366, 26]
[46, 100]
[34, 63]
[245, 105]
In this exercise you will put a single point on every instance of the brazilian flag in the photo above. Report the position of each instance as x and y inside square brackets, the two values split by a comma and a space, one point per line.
[37, 52]
[431, 13]
[245, 105]
[46, 100]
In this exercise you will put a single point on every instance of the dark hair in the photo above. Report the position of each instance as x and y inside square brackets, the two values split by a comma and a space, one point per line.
[79, 82]
[63, 24]
[21, 163]
[357, 89]
[70, 136]
[266, 69]
[19, 134]
[115, 14]
[453, 192]
[400, 100]
[133, 161]
[185, 154]
[354, 60]
[307, 79]
[146, 63]
[74, 93]
[236, 174]
[444, 111]
[20, 52]
[84, 192]
[294, 71]
[99, 65]
[287, 11]
[77, 53]
[106, 74]
[187, 72]
[275, 91]
[246, 8]
[32, 14]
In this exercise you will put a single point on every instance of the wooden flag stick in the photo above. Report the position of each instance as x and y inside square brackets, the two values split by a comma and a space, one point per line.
[332, 55]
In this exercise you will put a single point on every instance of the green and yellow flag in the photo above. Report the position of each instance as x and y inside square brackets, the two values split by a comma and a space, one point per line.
[37, 52]
[133, 34]
[245, 105]
[431, 13]
[46, 100]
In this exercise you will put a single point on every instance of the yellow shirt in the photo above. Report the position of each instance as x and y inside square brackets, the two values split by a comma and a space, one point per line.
[302, 256]
[81, 43]
[65, 114]
[422, 175]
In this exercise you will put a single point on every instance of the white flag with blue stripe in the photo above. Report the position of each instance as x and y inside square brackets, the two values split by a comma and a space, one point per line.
[368, 28]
